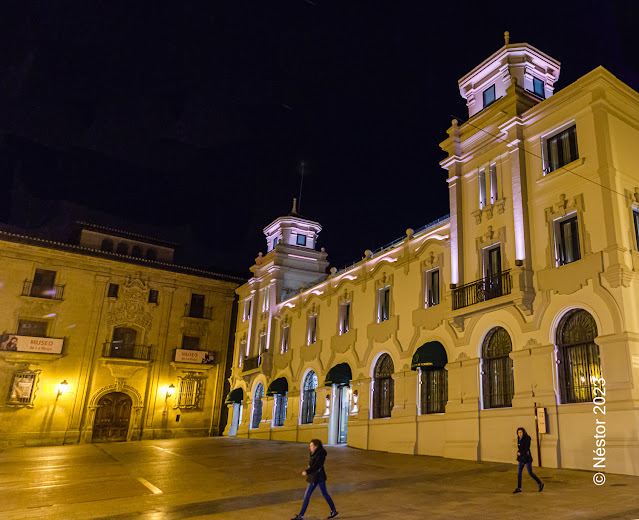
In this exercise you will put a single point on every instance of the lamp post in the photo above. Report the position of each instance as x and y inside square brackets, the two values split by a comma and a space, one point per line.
[63, 387]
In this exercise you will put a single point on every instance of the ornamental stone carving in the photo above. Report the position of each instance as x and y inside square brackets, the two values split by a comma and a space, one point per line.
[131, 305]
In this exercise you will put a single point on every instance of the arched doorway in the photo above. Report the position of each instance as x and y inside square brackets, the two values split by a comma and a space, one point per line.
[339, 379]
[112, 417]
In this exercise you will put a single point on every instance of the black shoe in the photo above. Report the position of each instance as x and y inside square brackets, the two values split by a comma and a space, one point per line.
[333, 514]
[541, 486]
[518, 490]
[297, 517]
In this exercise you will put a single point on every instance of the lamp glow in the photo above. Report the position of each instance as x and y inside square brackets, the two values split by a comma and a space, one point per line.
[63, 387]
[170, 391]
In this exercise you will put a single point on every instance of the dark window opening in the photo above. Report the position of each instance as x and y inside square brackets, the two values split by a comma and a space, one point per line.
[107, 245]
[122, 249]
[33, 328]
[190, 342]
[383, 387]
[489, 95]
[43, 284]
[538, 87]
[136, 252]
[568, 244]
[301, 240]
[497, 369]
[309, 398]
[196, 309]
[151, 254]
[153, 296]
[113, 290]
[561, 149]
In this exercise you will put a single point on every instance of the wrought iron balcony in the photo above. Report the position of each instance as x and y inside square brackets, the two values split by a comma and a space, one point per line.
[197, 311]
[251, 363]
[52, 292]
[120, 350]
[482, 290]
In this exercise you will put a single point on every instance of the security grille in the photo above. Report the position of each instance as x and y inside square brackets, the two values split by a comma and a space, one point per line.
[189, 392]
[497, 370]
[383, 387]
[434, 390]
[578, 357]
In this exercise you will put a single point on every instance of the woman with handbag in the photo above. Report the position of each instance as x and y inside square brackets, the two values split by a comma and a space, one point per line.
[316, 476]
[524, 457]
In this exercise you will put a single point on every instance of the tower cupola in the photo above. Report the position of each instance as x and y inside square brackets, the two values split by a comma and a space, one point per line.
[533, 70]
[293, 230]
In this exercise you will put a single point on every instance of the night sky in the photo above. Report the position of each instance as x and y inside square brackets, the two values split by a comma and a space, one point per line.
[195, 119]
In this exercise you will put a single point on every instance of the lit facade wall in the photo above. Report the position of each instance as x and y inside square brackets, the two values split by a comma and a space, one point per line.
[85, 313]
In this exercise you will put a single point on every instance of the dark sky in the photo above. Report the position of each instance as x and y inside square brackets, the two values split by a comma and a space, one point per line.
[191, 117]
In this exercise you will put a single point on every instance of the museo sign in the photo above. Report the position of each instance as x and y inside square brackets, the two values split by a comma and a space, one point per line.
[14, 343]
[193, 356]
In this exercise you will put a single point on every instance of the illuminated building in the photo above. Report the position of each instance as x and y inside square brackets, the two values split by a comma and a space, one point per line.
[444, 342]
[108, 339]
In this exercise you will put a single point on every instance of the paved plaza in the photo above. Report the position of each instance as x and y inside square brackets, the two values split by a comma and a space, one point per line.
[228, 478]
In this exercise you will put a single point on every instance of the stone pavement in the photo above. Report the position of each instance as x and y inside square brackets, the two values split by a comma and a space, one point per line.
[228, 478]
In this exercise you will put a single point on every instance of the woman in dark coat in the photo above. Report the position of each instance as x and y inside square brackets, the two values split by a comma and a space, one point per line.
[524, 457]
[316, 476]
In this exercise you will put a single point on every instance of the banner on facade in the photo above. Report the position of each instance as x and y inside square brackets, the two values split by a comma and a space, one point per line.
[193, 356]
[14, 343]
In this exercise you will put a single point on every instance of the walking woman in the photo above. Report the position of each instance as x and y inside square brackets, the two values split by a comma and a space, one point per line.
[524, 457]
[316, 476]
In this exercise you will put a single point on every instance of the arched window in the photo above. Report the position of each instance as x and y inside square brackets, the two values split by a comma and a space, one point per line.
[107, 245]
[383, 388]
[578, 356]
[497, 369]
[151, 254]
[257, 406]
[309, 398]
[136, 251]
[123, 249]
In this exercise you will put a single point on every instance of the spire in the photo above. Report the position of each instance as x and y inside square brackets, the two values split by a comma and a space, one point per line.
[506, 37]
[294, 210]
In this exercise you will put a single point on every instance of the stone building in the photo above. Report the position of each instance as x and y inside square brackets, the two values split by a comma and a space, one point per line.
[108, 339]
[518, 309]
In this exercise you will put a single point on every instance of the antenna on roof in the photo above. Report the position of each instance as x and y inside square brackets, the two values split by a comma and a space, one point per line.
[302, 170]
[507, 37]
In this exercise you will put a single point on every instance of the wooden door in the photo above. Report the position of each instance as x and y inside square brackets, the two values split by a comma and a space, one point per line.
[112, 417]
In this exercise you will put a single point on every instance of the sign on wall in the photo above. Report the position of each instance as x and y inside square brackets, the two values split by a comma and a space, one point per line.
[193, 356]
[12, 342]
[541, 418]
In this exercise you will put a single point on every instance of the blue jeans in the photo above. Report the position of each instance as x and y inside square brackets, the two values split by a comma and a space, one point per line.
[530, 472]
[309, 492]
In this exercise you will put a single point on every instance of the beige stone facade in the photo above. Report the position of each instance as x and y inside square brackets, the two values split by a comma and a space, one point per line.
[533, 306]
[122, 332]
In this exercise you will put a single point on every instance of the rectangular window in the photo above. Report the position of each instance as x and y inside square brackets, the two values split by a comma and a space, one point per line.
[188, 395]
[196, 309]
[153, 296]
[266, 297]
[43, 284]
[482, 188]
[285, 338]
[561, 149]
[114, 288]
[383, 304]
[345, 318]
[489, 95]
[262, 345]
[493, 262]
[243, 352]
[312, 330]
[191, 342]
[567, 241]
[494, 192]
[279, 414]
[635, 215]
[33, 328]
[432, 288]
[247, 310]
[22, 386]
[538, 87]
[301, 240]
[274, 242]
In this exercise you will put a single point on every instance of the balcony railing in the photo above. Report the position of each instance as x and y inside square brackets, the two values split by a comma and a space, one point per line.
[197, 311]
[122, 351]
[251, 363]
[482, 290]
[52, 292]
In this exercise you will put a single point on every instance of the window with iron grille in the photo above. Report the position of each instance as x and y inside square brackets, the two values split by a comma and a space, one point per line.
[309, 398]
[23, 386]
[577, 357]
[383, 387]
[189, 392]
[497, 369]
[257, 406]
[279, 414]
[433, 390]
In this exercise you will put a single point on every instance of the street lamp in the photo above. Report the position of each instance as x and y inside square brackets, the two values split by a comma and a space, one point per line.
[63, 387]
[170, 391]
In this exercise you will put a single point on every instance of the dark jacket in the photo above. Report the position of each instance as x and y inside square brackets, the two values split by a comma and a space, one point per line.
[315, 472]
[523, 447]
